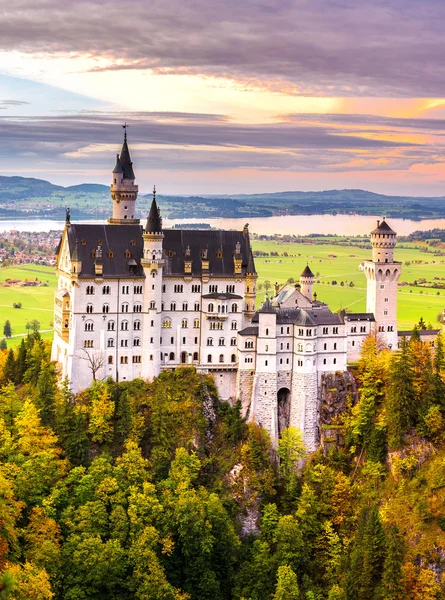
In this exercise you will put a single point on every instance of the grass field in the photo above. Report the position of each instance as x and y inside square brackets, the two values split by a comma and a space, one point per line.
[37, 302]
[413, 302]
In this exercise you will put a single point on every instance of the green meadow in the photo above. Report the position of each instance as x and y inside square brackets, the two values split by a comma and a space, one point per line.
[328, 262]
[37, 302]
[341, 263]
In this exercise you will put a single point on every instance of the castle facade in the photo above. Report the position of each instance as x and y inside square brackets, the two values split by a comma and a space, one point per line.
[134, 300]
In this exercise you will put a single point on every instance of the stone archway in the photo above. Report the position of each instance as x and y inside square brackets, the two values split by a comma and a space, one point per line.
[283, 398]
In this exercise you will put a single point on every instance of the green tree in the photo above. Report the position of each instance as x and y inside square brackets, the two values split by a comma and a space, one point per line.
[287, 585]
[21, 362]
[7, 331]
[393, 566]
[3, 344]
[9, 368]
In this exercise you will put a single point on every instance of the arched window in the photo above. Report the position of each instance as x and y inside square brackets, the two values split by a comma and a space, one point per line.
[173, 306]
[124, 326]
[166, 323]
[110, 343]
[106, 289]
[221, 358]
[137, 308]
[196, 323]
[89, 308]
[233, 342]
[196, 305]
[152, 304]
[233, 358]
[184, 323]
[89, 326]
[211, 307]
[137, 325]
[234, 325]
[195, 356]
[222, 342]
[110, 326]
[172, 356]
[248, 344]
[136, 342]
[105, 308]
[90, 290]
[183, 357]
[234, 307]
[185, 306]
[209, 341]
[125, 307]
[209, 358]
[110, 360]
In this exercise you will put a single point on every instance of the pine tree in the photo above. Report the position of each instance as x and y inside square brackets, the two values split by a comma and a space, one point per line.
[401, 407]
[21, 362]
[46, 391]
[7, 331]
[287, 585]
[439, 365]
[3, 344]
[9, 369]
[392, 570]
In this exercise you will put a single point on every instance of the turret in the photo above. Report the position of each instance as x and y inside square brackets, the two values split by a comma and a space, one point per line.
[306, 282]
[383, 241]
[123, 189]
[250, 281]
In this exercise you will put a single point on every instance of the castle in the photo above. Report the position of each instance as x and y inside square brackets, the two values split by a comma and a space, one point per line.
[133, 301]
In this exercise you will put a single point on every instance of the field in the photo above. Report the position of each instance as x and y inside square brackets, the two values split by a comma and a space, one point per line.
[413, 302]
[328, 262]
[37, 302]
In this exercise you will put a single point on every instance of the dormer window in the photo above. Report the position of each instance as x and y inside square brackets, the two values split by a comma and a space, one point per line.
[93, 253]
[99, 242]
[110, 254]
[219, 254]
[127, 254]
[84, 242]
[170, 253]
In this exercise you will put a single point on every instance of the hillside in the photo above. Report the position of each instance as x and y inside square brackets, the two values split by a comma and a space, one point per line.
[28, 197]
[160, 491]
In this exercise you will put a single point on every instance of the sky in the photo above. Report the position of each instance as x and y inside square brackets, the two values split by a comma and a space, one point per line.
[225, 97]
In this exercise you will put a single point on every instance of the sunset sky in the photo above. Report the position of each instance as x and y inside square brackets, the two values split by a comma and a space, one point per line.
[227, 96]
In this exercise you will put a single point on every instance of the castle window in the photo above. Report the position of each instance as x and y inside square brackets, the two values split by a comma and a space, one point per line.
[385, 312]
[152, 304]
[172, 340]
[288, 346]
[219, 254]
[390, 328]
[105, 308]
[335, 361]
[267, 331]
[106, 289]
[136, 342]
[178, 289]
[209, 358]
[124, 343]
[335, 330]
[195, 356]
[127, 252]
[110, 325]
[211, 307]
[110, 360]
[287, 361]
[166, 323]
[93, 254]
[281, 361]
[90, 290]
[170, 253]
[209, 341]
[234, 325]
[382, 286]
[183, 357]
[137, 325]
[173, 306]
[266, 363]
[171, 356]
[324, 361]
[308, 331]
[233, 358]
[300, 347]
[221, 358]
[137, 359]
[137, 289]
[110, 343]
[288, 330]
[133, 242]
[196, 289]
[248, 359]
[301, 332]
[281, 346]
[89, 308]
[137, 308]
[89, 326]
[124, 326]
[125, 308]
[325, 330]
[196, 323]
[213, 289]
[124, 360]
[222, 342]
[125, 289]
[184, 323]
[381, 328]
[335, 346]
[233, 342]
[84, 242]
[353, 329]
[185, 306]
[248, 344]
[325, 346]
[163, 289]
[88, 344]
[230, 289]
[363, 329]
[300, 363]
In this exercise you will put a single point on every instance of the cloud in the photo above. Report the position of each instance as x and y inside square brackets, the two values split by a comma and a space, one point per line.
[317, 47]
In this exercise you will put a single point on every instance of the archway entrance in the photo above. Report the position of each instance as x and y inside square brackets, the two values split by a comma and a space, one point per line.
[283, 409]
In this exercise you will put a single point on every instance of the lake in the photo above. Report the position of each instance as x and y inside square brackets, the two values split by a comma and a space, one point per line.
[298, 225]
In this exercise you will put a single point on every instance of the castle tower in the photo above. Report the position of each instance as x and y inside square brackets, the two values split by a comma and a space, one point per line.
[382, 274]
[306, 282]
[152, 263]
[251, 279]
[123, 190]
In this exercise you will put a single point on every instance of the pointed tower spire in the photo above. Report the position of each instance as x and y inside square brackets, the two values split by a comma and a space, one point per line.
[125, 158]
[154, 221]
[123, 189]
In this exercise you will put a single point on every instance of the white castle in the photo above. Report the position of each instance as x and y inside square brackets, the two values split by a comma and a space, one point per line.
[133, 301]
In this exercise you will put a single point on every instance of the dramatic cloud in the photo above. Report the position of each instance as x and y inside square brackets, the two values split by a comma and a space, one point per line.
[317, 47]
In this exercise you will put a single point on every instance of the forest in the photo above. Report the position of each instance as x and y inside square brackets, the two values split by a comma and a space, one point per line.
[160, 491]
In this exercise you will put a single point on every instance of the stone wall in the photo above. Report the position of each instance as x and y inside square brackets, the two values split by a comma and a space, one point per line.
[264, 404]
[304, 412]
[244, 390]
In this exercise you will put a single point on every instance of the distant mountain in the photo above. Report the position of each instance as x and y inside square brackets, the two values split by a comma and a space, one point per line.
[29, 197]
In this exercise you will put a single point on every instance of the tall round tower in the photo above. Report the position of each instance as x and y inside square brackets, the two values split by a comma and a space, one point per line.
[306, 282]
[382, 273]
[123, 189]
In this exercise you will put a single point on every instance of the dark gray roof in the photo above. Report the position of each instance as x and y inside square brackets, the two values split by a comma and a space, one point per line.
[118, 239]
[251, 330]
[154, 221]
[220, 247]
[222, 296]
[250, 264]
[383, 227]
[118, 168]
[125, 161]
[419, 331]
[267, 307]
[359, 316]
[309, 317]
[307, 272]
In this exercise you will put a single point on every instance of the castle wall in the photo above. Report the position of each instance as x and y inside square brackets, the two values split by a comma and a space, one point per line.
[305, 404]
